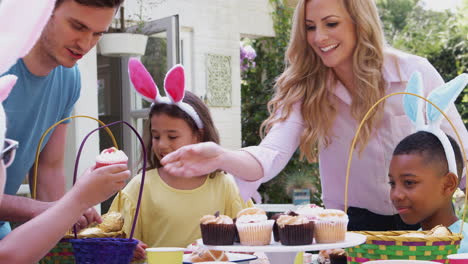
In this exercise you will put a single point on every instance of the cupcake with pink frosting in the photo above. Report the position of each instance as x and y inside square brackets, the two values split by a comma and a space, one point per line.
[111, 156]
[310, 211]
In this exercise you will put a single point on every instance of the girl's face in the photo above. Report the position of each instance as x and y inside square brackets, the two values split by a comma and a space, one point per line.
[417, 188]
[330, 32]
[170, 133]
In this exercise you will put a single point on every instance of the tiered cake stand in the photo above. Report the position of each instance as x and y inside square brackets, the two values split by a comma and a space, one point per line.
[279, 254]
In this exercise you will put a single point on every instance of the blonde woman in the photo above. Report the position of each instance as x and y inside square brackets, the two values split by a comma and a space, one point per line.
[338, 66]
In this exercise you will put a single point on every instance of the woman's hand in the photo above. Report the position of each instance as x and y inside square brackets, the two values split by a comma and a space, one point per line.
[194, 160]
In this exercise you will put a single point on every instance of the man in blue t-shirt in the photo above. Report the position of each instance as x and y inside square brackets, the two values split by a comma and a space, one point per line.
[48, 86]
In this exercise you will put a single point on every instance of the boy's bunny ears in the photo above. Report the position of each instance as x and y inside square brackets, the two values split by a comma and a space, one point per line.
[174, 85]
[443, 97]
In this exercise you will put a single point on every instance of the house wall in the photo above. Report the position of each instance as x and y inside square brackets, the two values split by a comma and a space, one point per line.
[207, 27]
[214, 27]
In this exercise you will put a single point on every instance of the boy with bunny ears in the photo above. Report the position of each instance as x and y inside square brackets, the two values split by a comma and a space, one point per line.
[426, 167]
[47, 89]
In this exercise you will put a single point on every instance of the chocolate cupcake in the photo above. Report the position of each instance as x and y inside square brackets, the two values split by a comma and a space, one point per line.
[275, 226]
[295, 229]
[217, 229]
[337, 256]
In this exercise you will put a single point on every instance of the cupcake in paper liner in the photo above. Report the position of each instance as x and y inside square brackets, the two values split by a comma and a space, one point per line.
[295, 229]
[217, 229]
[254, 228]
[275, 226]
[331, 226]
[111, 156]
[310, 211]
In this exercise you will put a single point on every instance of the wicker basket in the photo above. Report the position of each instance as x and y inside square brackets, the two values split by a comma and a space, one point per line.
[108, 250]
[389, 244]
[63, 250]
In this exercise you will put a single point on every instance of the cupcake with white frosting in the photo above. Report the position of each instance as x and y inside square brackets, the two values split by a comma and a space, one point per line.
[254, 227]
[330, 226]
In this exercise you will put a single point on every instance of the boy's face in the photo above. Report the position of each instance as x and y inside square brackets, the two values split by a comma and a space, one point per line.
[72, 31]
[417, 188]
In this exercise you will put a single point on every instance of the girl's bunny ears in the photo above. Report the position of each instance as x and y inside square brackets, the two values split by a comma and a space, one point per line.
[443, 97]
[174, 85]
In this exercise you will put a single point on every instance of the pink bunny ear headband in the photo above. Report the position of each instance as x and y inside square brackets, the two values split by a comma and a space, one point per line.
[174, 85]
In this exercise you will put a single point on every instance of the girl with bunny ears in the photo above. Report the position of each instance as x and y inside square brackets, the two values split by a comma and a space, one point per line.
[426, 167]
[172, 206]
[29, 242]
[337, 67]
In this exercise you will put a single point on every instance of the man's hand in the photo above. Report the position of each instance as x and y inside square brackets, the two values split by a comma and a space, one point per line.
[89, 217]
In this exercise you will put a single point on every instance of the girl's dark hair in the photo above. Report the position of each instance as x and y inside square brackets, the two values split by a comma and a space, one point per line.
[94, 3]
[207, 133]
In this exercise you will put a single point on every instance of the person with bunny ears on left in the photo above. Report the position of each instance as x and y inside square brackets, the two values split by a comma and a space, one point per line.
[47, 89]
[29, 242]
[171, 206]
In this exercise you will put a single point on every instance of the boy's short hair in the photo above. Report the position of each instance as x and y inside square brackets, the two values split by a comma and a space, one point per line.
[94, 3]
[430, 148]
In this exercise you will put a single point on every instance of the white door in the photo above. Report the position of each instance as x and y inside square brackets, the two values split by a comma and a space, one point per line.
[162, 52]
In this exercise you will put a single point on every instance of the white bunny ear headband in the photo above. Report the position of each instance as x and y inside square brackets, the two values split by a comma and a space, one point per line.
[174, 85]
[21, 24]
[443, 97]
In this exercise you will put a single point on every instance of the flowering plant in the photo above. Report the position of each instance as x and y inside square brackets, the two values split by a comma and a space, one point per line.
[247, 57]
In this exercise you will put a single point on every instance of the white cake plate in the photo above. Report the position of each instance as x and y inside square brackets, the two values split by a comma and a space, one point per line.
[280, 254]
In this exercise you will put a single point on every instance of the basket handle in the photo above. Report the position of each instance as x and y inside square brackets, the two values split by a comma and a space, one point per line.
[351, 149]
[143, 170]
[38, 149]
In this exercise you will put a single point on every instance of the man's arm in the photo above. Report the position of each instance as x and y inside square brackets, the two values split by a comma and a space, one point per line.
[20, 209]
[51, 177]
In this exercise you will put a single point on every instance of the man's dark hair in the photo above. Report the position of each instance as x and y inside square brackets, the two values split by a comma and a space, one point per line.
[94, 3]
[430, 148]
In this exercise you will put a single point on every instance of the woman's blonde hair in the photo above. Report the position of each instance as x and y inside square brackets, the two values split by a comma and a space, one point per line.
[306, 79]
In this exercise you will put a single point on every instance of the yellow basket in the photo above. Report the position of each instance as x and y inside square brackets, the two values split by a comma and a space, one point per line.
[389, 244]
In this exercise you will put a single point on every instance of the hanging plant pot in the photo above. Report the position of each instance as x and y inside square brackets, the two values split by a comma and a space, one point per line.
[122, 44]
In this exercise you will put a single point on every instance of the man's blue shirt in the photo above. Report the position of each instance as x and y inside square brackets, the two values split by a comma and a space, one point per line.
[34, 104]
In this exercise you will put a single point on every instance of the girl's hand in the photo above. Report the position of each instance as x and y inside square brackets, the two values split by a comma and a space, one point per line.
[140, 253]
[193, 160]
